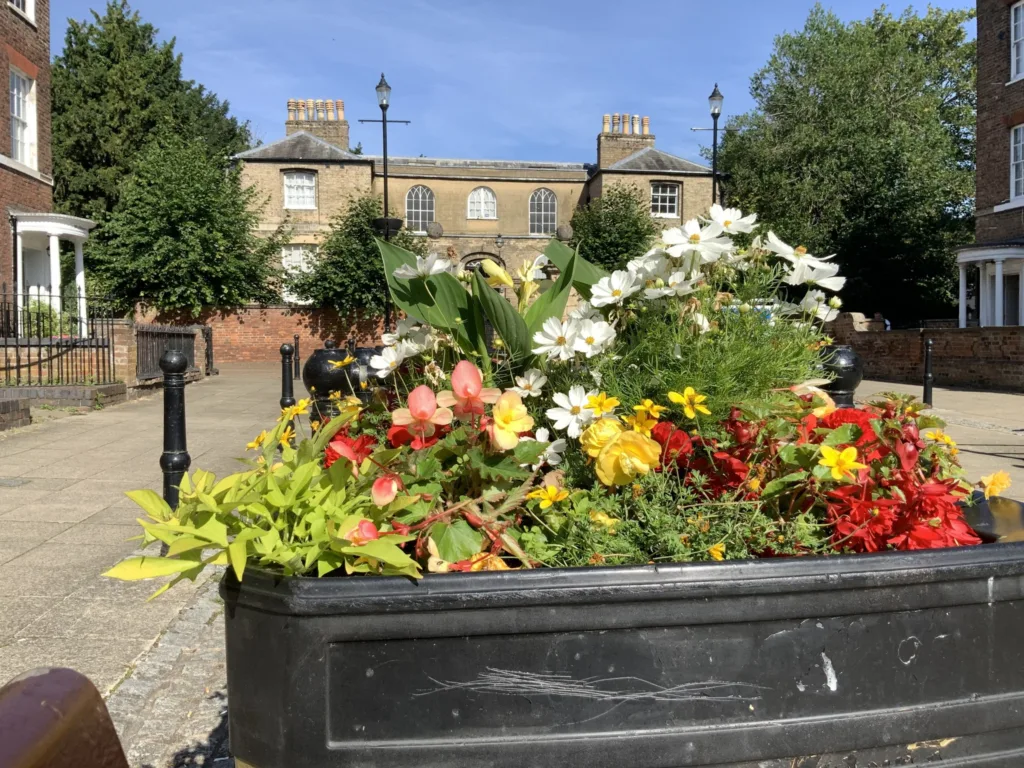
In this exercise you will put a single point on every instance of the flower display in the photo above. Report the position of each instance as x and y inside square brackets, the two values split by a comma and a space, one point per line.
[556, 340]
[573, 411]
[691, 402]
[423, 415]
[614, 289]
[599, 434]
[626, 456]
[468, 394]
[509, 417]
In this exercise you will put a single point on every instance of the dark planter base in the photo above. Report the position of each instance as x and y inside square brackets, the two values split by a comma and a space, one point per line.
[892, 659]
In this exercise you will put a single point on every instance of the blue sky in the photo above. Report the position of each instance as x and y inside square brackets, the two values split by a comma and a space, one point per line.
[527, 79]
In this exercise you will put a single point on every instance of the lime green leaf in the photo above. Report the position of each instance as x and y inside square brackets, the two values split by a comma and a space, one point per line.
[152, 504]
[236, 554]
[780, 484]
[847, 433]
[380, 549]
[456, 541]
[185, 544]
[139, 568]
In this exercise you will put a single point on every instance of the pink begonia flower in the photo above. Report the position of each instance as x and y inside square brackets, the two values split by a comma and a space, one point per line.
[385, 489]
[422, 415]
[361, 533]
[469, 394]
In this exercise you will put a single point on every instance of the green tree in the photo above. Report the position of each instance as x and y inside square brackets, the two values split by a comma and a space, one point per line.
[862, 144]
[614, 228]
[182, 233]
[349, 275]
[114, 86]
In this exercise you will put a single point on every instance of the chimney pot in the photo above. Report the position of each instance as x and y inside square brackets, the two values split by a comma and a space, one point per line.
[310, 109]
[625, 123]
[341, 109]
[330, 109]
[291, 109]
[647, 126]
[615, 123]
[636, 124]
[606, 123]
[300, 110]
[320, 112]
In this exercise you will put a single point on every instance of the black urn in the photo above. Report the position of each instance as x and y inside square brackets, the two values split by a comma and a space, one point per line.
[842, 364]
[324, 375]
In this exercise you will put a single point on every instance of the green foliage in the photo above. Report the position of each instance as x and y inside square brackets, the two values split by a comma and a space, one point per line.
[614, 228]
[115, 86]
[41, 319]
[349, 275]
[181, 236]
[862, 144]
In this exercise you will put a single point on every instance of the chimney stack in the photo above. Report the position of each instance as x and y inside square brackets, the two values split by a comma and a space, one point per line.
[324, 119]
[626, 135]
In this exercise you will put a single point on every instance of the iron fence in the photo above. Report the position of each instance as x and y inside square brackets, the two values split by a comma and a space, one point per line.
[51, 339]
[154, 340]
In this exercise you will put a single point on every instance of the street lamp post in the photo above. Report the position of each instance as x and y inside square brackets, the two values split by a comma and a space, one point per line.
[499, 243]
[715, 102]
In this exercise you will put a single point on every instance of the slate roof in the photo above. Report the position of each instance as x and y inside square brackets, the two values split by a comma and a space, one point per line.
[301, 146]
[441, 162]
[653, 160]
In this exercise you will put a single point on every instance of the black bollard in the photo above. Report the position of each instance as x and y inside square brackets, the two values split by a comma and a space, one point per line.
[298, 356]
[929, 379]
[174, 461]
[287, 393]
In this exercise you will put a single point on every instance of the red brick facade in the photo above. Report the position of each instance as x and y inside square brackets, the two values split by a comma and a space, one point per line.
[25, 45]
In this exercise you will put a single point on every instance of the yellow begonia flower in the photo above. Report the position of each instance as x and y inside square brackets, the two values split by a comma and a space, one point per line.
[640, 423]
[496, 275]
[717, 551]
[548, 495]
[940, 437]
[842, 463]
[598, 434]
[287, 436]
[995, 483]
[626, 456]
[485, 561]
[603, 519]
[257, 442]
[336, 364]
[509, 418]
[690, 401]
[648, 409]
[601, 404]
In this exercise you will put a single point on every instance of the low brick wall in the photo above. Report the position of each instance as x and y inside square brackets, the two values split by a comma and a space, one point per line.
[84, 395]
[14, 413]
[255, 334]
[982, 358]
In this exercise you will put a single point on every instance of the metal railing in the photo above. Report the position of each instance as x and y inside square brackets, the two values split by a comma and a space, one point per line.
[51, 339]
[154, 340]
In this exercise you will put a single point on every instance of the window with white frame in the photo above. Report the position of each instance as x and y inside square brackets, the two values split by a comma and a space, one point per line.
[543, 212]
[664, 200]
[300, 190]
[296, 258]
[23, 119]
[1017, 41]
[27, 7]
[419, 208]
[482, 204]
[1017, 163]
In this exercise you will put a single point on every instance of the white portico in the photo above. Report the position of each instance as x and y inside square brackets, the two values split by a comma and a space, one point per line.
[1000, 295]
[37, 258]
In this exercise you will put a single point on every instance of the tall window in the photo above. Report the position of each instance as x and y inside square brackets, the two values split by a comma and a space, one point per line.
[543, 212]
[1017, 163]
[665, 200]
[419, 208]
[482, 204]
[300, 190]
[23, 119]
[296, 257]
[27, 7]
[1017, 41]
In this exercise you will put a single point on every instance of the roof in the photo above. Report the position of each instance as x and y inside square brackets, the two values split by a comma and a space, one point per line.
[441, 162]
[300, 146]
[651, 160]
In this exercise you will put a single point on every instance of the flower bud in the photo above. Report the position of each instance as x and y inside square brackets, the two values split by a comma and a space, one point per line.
[835, 302]
[744, 308]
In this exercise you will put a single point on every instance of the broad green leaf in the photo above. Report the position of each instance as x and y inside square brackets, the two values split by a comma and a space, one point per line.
[186, 544]
[529, 451]
[152, 504]
[237, 555]
[847, 433]
[456, 541]
[586, 274]
[552, 302]
[139, 568]
[380, 549]
[508, 323]
[213, 529]
[780, 484]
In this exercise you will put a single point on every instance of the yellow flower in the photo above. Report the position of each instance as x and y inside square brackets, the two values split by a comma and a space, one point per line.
[288, 435]
[257, 442]
[641, 424]
[626, 456]
[842, 463]
[496, 275]
[597, 435]
[690, 401]
[336, 364]
[601, 404]
[648, 408]
[603, 519]
[335, 395]
[548, 495]
[314, 425]
[301, 408]
[485, 561]
[509, 418]
[362, 385]
[940, 437]
[717, 551]
[995, 483]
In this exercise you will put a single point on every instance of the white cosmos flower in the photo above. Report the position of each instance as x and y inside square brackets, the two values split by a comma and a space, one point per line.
[825, 276]
[707, 242]
[803, 263]
[614, 289]
[556, 340]
[732, 220]
[651, 264]
[407, 329]
[387, 362]
[572, 413]
[530, 383]
[816, 303]
[677, 284]
[552, 455]
[425, 267]
[594, 337]
[584, 311]
[701, 322]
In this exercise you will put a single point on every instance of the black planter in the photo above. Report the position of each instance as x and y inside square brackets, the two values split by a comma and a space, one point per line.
[844, 364]
[871, 660]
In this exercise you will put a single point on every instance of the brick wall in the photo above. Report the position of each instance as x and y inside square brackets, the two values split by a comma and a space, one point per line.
[982, 358]
[14, 413]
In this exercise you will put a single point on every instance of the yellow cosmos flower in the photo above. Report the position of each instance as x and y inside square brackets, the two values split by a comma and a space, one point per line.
[509, 417]
[640, 423]
[598, 434]
[995, 483]
[628, 455]
[842, 463]
[605, 520]
[548, 495]
[288, 435]
[601, 404]
[336, 364]
[690, 401]
[940, 437]
[717, 551]
[649, 409]
[257, 442]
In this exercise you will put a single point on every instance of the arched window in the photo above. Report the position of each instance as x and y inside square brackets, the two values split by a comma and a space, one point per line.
[300, 190]
[543, 212]
[482, 204]
[419, 208]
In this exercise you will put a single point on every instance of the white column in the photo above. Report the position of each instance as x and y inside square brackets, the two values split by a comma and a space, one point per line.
[83, 322]
[983, 294]
[997, 305]
[55, 273]
[19, 284]
[963, 296]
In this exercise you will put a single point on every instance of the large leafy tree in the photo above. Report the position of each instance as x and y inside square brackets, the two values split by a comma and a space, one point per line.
[862, 144]
[181, 236]
[614, 228]
[349, 274]
[114, 86]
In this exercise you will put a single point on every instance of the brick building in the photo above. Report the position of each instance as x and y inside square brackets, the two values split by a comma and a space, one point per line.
[506, 210]
[994, 262]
